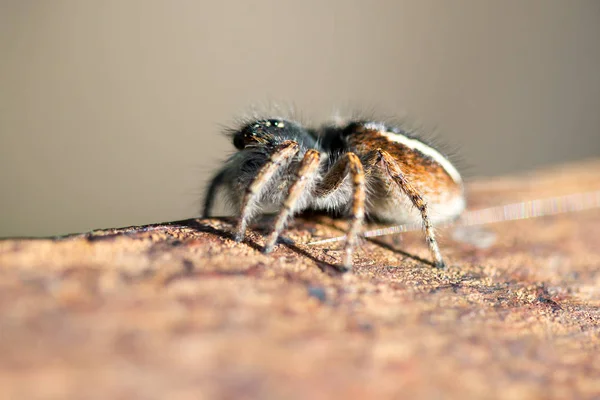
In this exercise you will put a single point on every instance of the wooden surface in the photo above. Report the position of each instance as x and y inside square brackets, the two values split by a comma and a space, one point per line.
[180, 311]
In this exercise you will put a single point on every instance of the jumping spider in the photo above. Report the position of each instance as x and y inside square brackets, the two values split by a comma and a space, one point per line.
[358, 168]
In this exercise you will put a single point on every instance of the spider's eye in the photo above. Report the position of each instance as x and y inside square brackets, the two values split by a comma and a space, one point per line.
[276, 123]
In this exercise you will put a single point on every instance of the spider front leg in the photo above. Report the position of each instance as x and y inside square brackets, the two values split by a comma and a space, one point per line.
[279, 157]
[307, 169]
[209, 200]
[395, 173]
[348, 164]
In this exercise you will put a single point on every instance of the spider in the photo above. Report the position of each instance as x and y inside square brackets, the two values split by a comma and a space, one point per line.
[358, 168]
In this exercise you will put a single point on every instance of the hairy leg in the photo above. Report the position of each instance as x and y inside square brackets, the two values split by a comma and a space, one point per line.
[308, 167]
[211, 193]
[280, 155]
[395, 172]
[348, 164]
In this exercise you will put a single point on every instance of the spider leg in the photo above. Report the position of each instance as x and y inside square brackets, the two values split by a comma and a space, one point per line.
[278, 158]
[214, 185]
[308, 167]
[348, 164]
[395, 172]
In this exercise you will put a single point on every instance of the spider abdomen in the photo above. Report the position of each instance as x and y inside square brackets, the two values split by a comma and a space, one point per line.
[431, 174]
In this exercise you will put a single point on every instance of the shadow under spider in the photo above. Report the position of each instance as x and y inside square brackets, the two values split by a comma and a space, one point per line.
[262, 227]
[328, 222]
[325, 267]
[404, 253]
[222, 233]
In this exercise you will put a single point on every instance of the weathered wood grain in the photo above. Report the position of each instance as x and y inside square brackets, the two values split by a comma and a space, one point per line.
[180, 311]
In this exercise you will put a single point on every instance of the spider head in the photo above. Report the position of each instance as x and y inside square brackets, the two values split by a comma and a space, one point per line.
[259, 132]
[272, 131]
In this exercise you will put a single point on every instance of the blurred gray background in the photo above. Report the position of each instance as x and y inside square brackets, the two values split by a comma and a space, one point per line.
[110, 111]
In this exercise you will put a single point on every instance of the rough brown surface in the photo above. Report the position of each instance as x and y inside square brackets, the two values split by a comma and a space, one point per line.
[180, 311]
